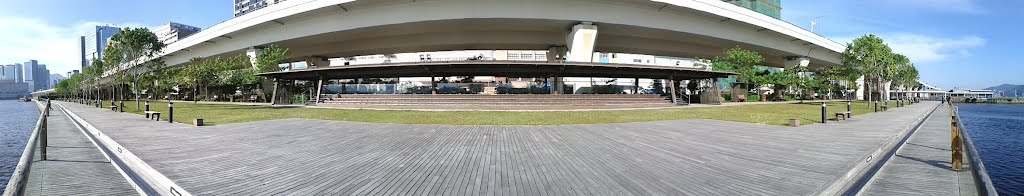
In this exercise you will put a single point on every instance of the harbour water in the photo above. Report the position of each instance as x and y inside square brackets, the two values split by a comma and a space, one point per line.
[16, 122]
[998, 133]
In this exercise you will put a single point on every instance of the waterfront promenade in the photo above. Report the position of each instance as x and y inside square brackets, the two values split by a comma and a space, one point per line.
[696, 157]
[923, 165]
[74, 166]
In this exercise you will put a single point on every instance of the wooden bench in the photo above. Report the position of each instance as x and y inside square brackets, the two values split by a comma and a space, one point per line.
[885, 108]
[848, 114]
[840, 116]
[113, 108]
[153, 115]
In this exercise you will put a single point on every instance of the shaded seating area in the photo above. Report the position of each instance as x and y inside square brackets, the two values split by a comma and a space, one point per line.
[552, 74]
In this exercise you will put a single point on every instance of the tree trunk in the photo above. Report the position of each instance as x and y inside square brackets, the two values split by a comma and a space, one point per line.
[135, 88]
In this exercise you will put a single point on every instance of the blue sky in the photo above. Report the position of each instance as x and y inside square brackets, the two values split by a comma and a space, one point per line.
[955, 43]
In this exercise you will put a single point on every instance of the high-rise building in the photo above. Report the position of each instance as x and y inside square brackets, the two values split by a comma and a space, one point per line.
[243, 7]
[771, 8]
[94, 43]
[35, 75]
[56, 78]
[172, 32]
[18, 76]
[27, 71]
[42, 76]
[81, 45]
[7, 73]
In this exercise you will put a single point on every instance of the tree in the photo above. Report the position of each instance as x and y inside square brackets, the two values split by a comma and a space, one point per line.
[130, 48]
[270, 57]
[266, 61]
[869, 56]
[742, 62]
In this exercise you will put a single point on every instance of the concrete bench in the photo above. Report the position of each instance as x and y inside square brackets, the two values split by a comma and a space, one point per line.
[153, 115]
[840, 116]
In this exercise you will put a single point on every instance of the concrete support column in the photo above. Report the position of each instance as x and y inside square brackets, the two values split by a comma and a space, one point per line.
[319, 90]
[317, 62]
[252, 52]
[556, 53]
[581, 41]
[560, 87]
[433, 85]
[672, 88]
[273, 94]
[636, 85]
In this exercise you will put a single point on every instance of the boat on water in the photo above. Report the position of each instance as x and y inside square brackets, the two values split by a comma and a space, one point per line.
[25, 99]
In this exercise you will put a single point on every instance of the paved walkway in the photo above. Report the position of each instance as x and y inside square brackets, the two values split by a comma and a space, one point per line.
[922, 166]
[74, 166]
[683, 157]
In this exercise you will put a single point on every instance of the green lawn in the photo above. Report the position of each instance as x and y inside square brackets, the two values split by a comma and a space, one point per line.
[772, 114]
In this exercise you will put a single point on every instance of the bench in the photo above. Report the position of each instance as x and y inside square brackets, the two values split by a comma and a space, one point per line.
[840, 116]
[885, 108]
[848, 114]
[153, 115]
[113, 108]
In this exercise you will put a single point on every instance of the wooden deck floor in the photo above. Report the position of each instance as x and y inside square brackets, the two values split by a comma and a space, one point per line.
[74, 166]
[685, 157]
[923, 165]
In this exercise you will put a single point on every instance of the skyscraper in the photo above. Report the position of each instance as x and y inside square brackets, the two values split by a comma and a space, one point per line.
[27, 73]
[35, 75]
[8, 73]
[172, 32]
[94, 43]
[243, 7]
[771, 8]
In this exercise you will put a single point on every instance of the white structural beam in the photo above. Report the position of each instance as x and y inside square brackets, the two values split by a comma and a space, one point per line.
[685, 28]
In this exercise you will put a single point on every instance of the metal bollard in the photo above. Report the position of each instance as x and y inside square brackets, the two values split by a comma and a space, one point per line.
[823, 110]
[849, 105]
[876, 106]
[147, 108]
[170, 112]
[120, 108]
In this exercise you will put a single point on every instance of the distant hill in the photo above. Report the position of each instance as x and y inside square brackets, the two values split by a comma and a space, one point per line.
[1008, 89]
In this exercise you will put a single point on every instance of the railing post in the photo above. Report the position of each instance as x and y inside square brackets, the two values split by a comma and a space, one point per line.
[170, 112]
[957, 142]
[42, 133]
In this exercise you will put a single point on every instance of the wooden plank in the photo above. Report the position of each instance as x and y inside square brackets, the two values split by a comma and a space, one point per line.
[922, 165]
[74, 165]
[683, 157]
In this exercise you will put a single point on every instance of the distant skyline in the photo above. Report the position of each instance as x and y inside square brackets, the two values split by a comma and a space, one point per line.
[954, 43]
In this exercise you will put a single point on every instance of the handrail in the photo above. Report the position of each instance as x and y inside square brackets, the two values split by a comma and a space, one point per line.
[19, 178]
[978, 170]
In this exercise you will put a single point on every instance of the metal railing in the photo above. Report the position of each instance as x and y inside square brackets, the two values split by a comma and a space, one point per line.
[977, 167]
[19, 178]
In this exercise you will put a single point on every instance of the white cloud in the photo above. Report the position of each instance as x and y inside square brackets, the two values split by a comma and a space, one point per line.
[927, 49]
[56, 46]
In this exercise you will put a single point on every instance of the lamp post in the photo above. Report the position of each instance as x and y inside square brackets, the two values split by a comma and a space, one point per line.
[804, 62]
